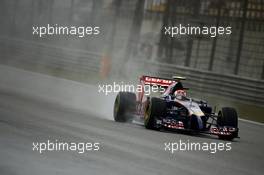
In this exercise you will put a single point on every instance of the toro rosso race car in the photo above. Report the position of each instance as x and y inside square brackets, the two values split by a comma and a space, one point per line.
[173, 109]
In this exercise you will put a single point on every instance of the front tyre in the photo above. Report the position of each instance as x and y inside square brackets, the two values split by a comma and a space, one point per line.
[228, 117]
[125, 105]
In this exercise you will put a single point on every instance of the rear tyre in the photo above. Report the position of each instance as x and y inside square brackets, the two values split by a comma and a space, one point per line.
[228, 117]
[155, 109]
[125, 105]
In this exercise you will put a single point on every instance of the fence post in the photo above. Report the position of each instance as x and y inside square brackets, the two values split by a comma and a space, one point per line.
[189, 52]
[134, 34]
[211, 62]
[107, 57]
[71, 12]
[97, 9]
[241, 37]
[14, 16]
[262, 76]
[196, 9]
[163, 41]
[50, 11]
[32, 7]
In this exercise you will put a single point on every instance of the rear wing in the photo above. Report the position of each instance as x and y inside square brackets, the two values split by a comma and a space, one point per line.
[158, 81]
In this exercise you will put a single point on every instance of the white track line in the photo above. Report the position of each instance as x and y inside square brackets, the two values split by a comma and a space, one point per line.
[252, 122]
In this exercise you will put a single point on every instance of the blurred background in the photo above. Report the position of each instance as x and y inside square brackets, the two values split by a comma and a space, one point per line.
[132, 42]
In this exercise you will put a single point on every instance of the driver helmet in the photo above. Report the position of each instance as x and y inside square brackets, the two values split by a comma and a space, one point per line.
[180, 93]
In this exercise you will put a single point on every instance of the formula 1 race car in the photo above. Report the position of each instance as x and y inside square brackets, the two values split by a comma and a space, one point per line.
[172, 109]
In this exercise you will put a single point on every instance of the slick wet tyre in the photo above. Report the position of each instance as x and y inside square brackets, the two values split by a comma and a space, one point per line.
[124, 107]
[228, 117]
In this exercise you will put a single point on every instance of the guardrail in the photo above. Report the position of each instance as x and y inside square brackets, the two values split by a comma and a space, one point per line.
[72, 60]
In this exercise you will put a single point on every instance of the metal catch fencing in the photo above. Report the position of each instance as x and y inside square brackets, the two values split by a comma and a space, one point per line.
[246, 90]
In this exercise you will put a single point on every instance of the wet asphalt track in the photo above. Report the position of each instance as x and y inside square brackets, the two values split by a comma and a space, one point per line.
[124, 148]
